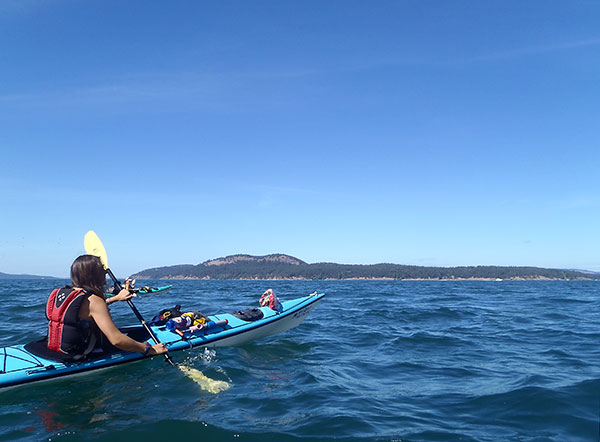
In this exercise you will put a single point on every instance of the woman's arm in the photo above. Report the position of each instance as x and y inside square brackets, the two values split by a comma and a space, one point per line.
[99, 312]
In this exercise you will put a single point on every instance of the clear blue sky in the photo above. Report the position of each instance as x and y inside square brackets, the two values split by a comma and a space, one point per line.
[414, 132]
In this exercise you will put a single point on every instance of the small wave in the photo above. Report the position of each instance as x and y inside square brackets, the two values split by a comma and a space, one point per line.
[429, 435]
[564, 358]
[426, 338]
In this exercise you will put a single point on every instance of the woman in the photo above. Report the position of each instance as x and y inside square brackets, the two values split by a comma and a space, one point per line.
[78, 315]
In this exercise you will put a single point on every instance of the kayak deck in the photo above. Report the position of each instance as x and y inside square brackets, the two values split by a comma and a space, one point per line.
[18, 365]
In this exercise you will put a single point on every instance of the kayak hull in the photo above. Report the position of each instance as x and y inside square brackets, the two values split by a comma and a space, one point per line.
[19, 366]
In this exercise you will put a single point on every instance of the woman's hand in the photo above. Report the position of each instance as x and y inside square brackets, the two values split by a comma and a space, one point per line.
[123, 295]
[158, 349]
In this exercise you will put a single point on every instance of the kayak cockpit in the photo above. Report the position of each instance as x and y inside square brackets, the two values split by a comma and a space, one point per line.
[40, 347]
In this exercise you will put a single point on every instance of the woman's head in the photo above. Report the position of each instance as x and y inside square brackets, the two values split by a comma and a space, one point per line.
[87, 272]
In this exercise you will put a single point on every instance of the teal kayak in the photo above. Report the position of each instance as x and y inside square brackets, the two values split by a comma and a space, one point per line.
[150, 290]
[147, 290]
[33, 362]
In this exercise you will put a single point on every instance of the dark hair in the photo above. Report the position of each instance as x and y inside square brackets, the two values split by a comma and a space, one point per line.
[87, 272]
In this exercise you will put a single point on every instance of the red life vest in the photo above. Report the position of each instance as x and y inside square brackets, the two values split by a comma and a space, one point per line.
[66, 332]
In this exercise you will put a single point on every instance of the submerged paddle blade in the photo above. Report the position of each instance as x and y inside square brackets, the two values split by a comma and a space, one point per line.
[206, 383]
[93, 246]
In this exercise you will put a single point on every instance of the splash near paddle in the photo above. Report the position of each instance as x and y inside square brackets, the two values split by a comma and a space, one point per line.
[206, 383]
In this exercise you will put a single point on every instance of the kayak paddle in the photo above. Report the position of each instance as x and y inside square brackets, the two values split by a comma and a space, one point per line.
[93, 246]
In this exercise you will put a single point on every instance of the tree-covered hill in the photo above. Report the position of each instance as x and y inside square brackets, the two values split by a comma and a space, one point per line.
[279, 266]
[9, 276]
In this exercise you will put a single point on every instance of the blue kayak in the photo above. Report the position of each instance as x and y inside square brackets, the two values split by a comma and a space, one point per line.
[25, 364]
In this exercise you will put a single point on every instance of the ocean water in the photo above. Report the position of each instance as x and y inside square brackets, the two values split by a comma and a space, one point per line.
[375, 361]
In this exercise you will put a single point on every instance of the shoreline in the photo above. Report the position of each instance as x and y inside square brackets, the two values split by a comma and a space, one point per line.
[518, 278]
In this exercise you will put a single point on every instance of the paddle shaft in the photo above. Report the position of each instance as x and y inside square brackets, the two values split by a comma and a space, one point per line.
[139, 315]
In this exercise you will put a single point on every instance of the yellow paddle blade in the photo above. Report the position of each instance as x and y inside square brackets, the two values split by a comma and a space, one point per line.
[93, 246]
[206, 383]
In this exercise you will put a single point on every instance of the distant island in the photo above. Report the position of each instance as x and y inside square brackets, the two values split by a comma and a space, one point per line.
[285, 267]
[9, 276]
